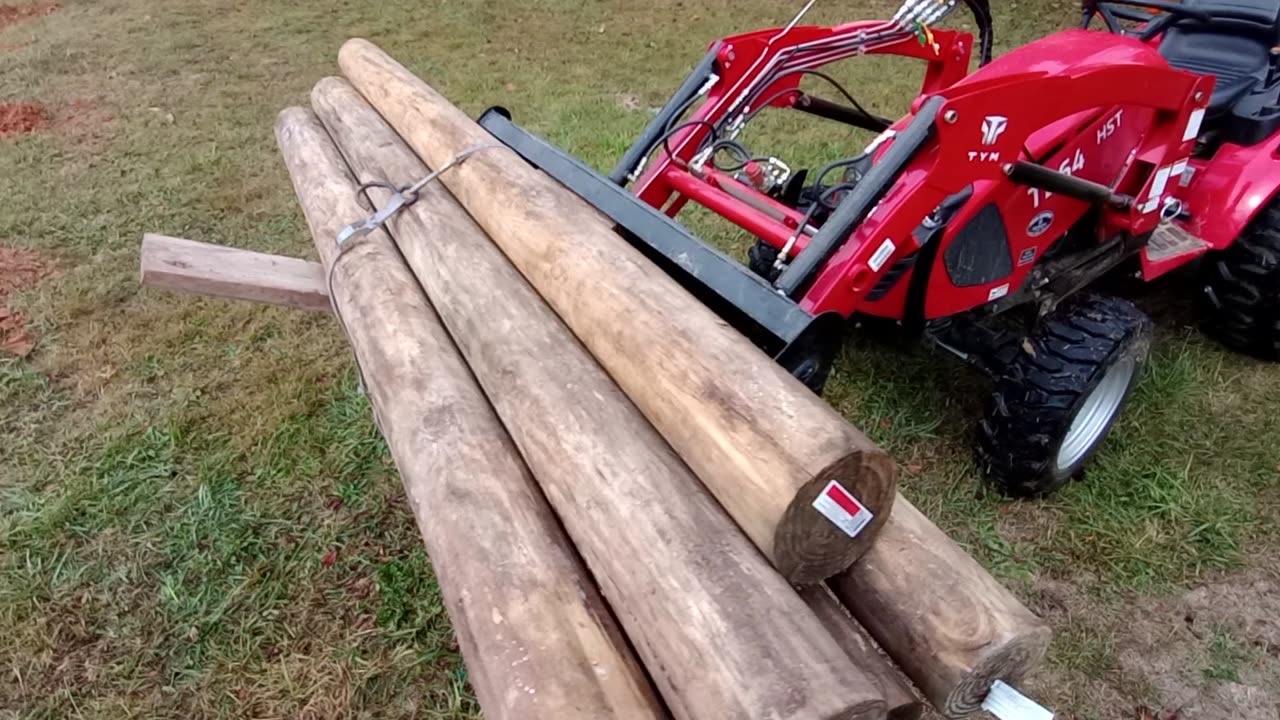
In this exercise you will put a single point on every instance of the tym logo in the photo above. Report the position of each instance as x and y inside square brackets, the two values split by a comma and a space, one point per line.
[1109, 128]
[992, 127]
[983, 156]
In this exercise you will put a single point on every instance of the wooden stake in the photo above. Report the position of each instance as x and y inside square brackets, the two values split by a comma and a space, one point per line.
[721, 633]
[900, 699]
[537, 638]
[951, 626]
[765, 446]
[188, 266]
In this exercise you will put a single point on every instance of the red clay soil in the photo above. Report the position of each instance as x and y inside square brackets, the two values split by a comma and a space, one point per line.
[19, 118]
[19, 270]
[11, 14]
[78, 114]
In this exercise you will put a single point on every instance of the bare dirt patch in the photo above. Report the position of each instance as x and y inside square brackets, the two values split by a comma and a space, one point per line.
[80, 113]
[1214, 652]
[21, 118]
[12, 14]
[19, 270]
[1211, 653]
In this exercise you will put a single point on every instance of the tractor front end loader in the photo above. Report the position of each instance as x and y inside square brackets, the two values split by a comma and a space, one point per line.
[978, 222]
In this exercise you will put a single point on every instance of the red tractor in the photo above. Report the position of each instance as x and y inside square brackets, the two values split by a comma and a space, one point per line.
[980, 221]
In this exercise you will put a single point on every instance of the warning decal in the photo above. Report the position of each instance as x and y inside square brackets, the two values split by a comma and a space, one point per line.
[841, 508]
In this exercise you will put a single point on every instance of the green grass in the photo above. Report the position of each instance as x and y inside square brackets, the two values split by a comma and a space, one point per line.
[196, 514]
[1227, 656]
[227, 582]
[1085, 649]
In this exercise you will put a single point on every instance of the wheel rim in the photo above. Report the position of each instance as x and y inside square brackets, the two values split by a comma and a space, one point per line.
[1094, 417]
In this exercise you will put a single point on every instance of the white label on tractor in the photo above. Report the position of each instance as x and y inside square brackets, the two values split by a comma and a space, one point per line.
[1157, 188]
[882, 254]
[1193, 125]
[879, 140]
[1110, 127]
[1008, 704]
[1073, 164]
[842, 509]
[1182, 171]
[998, 292]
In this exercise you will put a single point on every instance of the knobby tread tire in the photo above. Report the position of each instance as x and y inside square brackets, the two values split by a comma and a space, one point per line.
[1041, 389]
[1241, 307]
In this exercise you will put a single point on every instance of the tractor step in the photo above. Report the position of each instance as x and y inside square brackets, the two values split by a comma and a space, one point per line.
[1170, 241]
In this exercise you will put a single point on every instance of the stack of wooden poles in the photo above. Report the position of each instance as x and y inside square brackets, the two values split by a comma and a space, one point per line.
[631, 510]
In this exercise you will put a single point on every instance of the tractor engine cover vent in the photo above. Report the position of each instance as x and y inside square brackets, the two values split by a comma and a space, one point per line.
[979, 254]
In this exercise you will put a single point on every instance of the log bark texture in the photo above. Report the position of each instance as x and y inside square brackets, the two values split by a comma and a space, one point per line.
[951, 626]
[899, 698]
[188, 266]
[721, 633]
[537, 638]
[763, 444]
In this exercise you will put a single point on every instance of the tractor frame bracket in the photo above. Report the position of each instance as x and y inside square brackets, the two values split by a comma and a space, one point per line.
[743, 299]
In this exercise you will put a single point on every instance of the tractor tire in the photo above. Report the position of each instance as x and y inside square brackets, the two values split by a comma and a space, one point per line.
[1241, 300]
[812, 367]
[1055, 401]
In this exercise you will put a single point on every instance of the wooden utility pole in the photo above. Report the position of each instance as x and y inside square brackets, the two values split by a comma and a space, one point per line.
[899, 698]
[722, 635]
[951, 626]
[538, 640]
[797, 478]
[764, 446]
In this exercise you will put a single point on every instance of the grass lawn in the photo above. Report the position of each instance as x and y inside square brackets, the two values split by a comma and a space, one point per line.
[198, 518]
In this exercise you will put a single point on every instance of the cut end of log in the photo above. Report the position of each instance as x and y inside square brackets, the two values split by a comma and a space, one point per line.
[357, 43]
[835, 517]
[327, 86]
[291, 117]
[355, 47]
[1008, 662]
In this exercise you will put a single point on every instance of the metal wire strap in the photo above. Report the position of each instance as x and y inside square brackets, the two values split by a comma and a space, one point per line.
[401, 197]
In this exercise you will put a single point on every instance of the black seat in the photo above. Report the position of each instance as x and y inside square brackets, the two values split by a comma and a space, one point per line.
[1235, 49]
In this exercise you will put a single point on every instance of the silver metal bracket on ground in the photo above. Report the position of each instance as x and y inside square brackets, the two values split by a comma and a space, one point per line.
[1006, 703]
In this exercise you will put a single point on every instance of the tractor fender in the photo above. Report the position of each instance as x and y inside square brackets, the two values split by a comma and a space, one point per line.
[1226, 192]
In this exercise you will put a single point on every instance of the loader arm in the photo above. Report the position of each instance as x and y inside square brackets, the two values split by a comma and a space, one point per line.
[744, 72]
